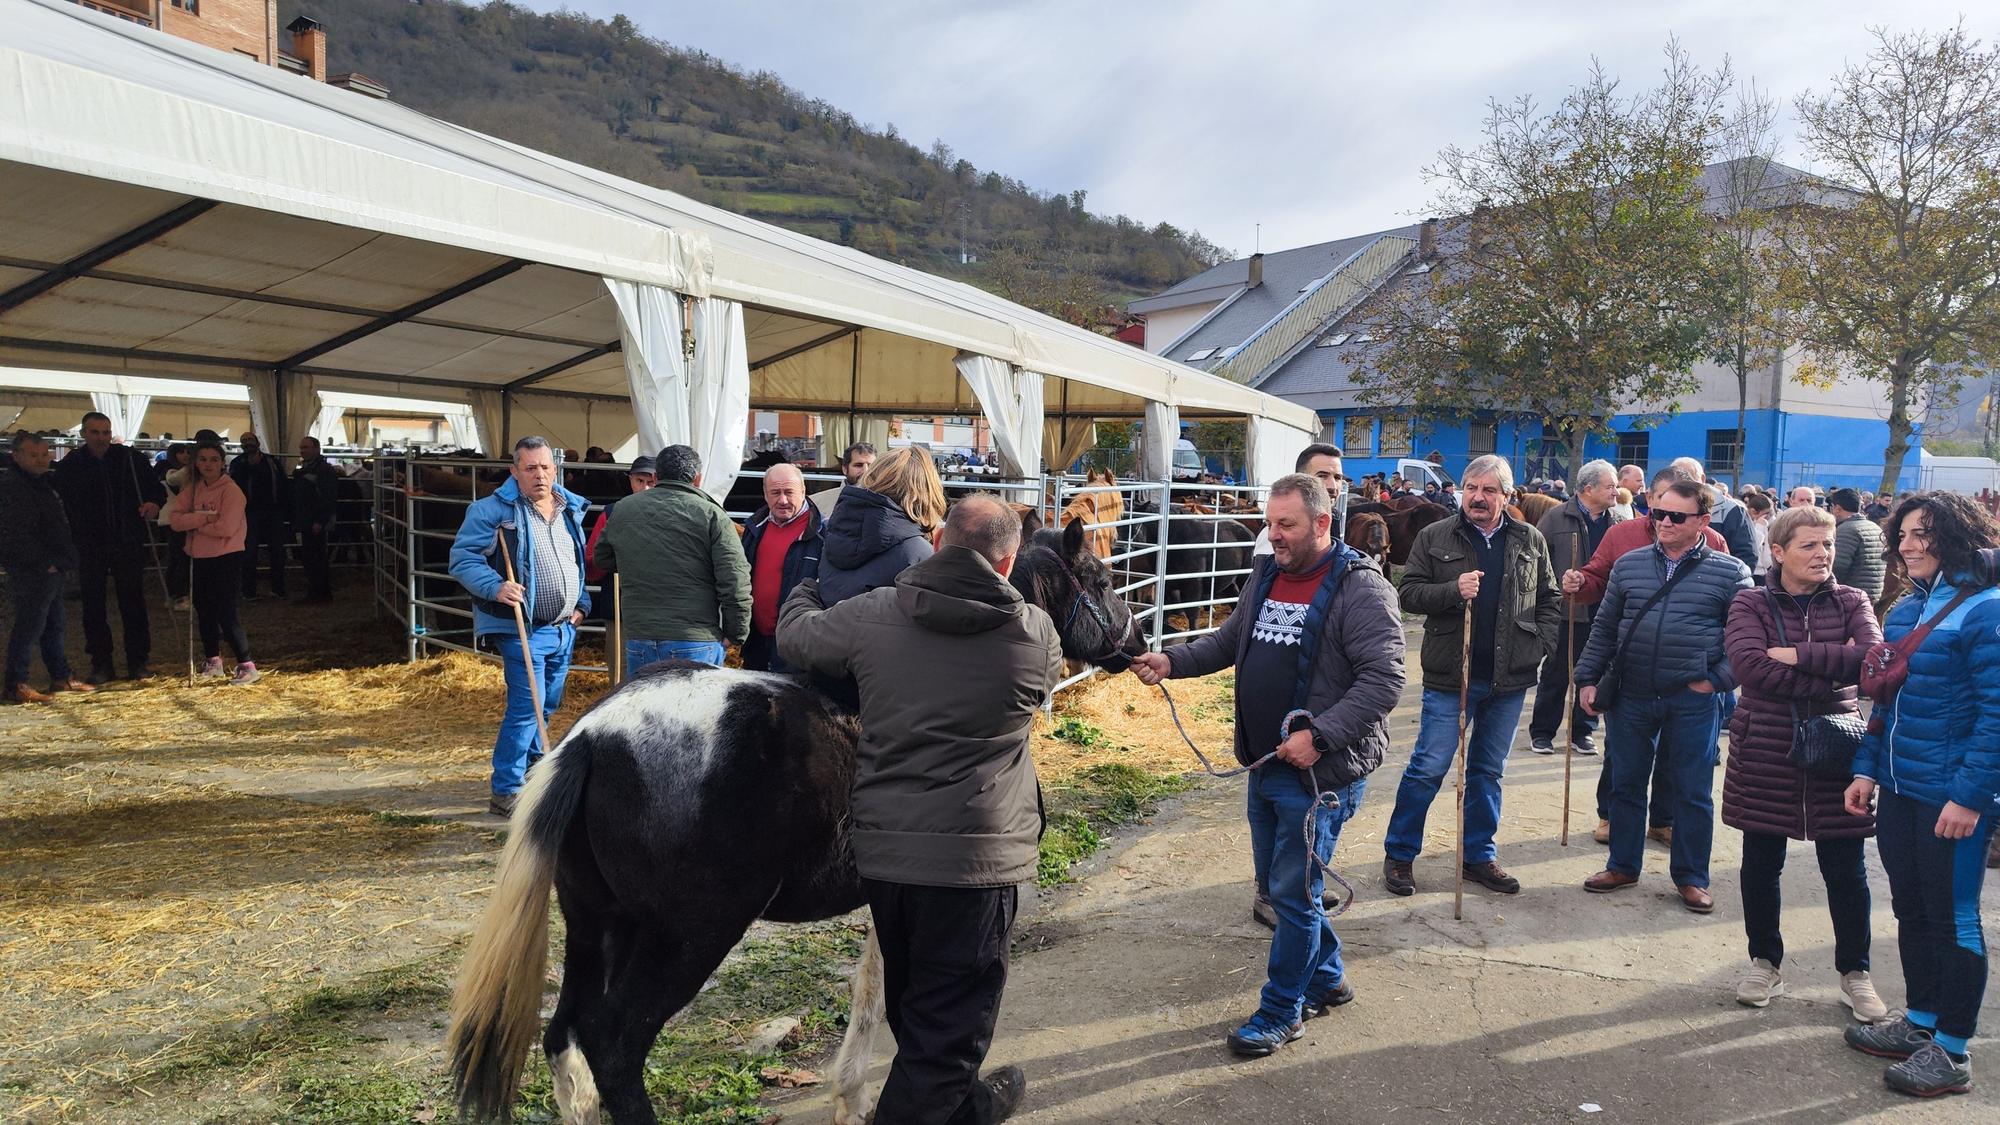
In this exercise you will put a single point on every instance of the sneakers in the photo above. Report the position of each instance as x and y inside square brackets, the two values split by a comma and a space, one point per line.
[1930, 1072]
[1586, 745]
[1895, 1039]
[246, 673]
[1007, 1086]
[1857, 991]
[1397, 878]
[1603, 833]
[211, 669]
[1323, 1003]
[1760, 982]
[1260, 1037]
[1491, 876]
[1542, 745]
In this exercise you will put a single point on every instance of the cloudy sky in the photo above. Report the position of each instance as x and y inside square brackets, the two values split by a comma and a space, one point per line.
[1311, 119]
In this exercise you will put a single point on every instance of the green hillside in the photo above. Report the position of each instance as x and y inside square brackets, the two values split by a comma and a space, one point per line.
[601, 93]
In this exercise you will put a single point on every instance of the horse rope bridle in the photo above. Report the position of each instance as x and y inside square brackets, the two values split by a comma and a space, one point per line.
[1113, 658]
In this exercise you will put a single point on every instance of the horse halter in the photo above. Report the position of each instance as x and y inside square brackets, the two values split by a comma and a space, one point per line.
[1113, 658]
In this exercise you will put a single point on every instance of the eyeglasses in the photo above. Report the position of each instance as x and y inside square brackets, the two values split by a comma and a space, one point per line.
[1675, 517]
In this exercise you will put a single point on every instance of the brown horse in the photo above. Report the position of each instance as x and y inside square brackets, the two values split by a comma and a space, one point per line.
[1097, 508]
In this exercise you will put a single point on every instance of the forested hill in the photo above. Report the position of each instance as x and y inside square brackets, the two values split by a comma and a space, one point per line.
[601, 93]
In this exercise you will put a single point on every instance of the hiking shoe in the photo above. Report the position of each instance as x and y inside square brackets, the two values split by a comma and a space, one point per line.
[1323, 1003]
[1760, 982]
[211, 669]
[1262, 912]
[1895, 1039]
[1542, 745]
[502, 804]
[1586, 745]
[246, 673]
[1603, 833]
[1930, 1072]
[1492, 877]
[1857, 991]
[1664, 834]
[1007, 1086]
[1397, 878]
[1260, 1037]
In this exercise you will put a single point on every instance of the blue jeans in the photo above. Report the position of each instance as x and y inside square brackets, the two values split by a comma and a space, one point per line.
[518, 744]
[1685, 726]
[38, 618]
[1305, 952]
[638, 654]
[1493, 716]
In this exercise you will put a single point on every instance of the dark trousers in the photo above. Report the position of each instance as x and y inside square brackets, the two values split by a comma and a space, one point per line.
[1846, 876]
[124, 569]
[215, 605]
[313, 560]
[177, 563]
[1545, 721]
[265, 530]
[760, 654]
[1680, 728]
[38, 618]
[944, 964]
[1934, 889]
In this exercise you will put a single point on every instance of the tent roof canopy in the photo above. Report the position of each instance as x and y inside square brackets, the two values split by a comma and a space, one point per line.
[177, 210]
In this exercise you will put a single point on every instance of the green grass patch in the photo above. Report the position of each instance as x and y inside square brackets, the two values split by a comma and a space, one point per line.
[1079, 731]
[788, 203]
[1083, 808]
[403, 819]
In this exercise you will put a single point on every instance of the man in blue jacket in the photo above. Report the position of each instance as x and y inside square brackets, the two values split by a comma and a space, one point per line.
[541, 526]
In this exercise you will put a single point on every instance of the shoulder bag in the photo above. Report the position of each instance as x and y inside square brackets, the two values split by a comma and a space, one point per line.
[1886, 664]
[1608, 684]
[1822, 745]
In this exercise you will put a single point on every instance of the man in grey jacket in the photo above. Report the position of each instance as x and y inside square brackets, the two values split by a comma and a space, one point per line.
[1656, 663]
[1858, 558]
[946, 811]
[1317, 645]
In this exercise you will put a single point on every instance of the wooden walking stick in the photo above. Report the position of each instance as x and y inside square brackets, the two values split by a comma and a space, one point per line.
[521, 629]
[1569, 682]
[1464, 724]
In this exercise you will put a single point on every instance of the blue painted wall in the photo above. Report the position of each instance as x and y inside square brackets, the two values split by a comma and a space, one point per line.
[1781, 448]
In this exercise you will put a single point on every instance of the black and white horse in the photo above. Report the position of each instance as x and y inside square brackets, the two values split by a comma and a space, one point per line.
[679, 809]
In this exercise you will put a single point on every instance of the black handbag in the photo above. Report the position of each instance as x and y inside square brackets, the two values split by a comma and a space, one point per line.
[1822, 745]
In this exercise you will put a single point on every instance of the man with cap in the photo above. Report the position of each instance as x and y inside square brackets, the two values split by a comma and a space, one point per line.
[639, 478]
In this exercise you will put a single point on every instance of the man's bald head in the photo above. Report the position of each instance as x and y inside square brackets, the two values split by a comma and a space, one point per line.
[784, 491]
[984, 523]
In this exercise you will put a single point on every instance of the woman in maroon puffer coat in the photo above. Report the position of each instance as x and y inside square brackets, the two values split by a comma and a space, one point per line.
[1814, 669]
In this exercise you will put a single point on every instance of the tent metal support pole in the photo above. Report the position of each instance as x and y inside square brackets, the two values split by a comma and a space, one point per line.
[801, 349]
[555, 369]
[501, 441]
[390, 320]
[854, 391]
[105, 251]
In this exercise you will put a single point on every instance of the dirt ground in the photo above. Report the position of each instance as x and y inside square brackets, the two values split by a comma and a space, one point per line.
[181, 867]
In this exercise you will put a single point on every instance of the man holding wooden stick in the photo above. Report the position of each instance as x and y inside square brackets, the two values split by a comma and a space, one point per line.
[519, 553]
[1498, 567]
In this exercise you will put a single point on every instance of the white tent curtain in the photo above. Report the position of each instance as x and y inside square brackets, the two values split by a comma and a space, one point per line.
[837, 433]
[127, 412]
[707, 407]
[1012, 401]
[327, 426]
[302, 406]
[263, 386]
[464, 430]
[1274, 449]
[488, 409]
[1156, 443]
[1067, 441]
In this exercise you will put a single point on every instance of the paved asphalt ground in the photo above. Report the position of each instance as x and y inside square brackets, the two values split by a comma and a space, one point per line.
[1536, 1007]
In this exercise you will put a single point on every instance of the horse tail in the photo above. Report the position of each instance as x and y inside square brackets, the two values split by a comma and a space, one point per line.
[496, 1006]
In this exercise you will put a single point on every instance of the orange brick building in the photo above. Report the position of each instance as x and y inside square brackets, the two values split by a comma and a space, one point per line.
[245, 27]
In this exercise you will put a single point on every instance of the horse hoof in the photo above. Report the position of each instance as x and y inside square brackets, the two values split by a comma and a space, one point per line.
[843, 1114]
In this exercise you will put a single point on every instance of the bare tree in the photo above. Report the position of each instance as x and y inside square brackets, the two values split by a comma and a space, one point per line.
[1578, 278]
[1897, 272]
[1749, 321]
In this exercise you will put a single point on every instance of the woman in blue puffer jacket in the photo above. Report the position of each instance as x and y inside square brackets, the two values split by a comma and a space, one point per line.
[1933, 759]
[878, 529]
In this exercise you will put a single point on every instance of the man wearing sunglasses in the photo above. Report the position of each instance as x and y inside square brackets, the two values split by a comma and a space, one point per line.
[1656, 663]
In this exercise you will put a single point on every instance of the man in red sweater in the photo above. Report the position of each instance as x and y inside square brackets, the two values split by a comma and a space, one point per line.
[782, 541]
[1587, 587]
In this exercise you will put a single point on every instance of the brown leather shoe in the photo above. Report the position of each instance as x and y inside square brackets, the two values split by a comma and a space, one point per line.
[1697, 899]
[1492, 877]
[72, 685]
[1603, 833]
[24, 694]
[1607, 880]
[1664, 834]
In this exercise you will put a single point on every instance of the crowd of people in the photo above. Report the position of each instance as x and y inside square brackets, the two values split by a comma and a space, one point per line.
[106, 513]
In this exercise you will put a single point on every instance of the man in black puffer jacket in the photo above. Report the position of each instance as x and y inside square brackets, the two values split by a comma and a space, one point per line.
[1656, 663]
[36, 552]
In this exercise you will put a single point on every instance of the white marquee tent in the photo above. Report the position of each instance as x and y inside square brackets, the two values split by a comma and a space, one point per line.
[177, 211]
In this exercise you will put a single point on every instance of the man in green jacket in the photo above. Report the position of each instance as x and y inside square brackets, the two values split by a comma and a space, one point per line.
[947, 811]
[686, 585]
[1499, 566]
